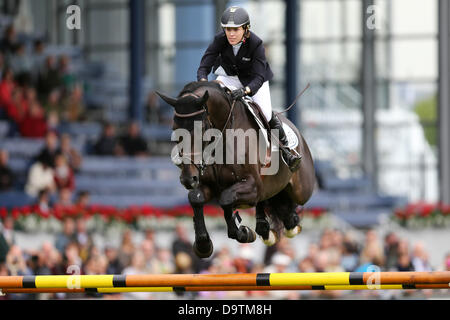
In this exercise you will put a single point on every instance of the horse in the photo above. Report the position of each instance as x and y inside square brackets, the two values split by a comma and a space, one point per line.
[237, 185]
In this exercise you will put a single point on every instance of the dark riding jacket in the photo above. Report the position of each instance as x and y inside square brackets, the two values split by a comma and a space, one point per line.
[250, 64]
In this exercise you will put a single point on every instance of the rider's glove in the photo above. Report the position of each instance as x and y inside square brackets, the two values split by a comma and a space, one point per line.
[237, 94]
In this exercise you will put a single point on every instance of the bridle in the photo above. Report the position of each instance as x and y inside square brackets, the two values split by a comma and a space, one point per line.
[206, 119]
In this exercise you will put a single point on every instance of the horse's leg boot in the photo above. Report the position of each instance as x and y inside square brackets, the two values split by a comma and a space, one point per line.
[292, 160]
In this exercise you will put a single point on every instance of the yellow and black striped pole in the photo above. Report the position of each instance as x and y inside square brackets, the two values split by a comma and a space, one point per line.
[226, 288]
[208, 280]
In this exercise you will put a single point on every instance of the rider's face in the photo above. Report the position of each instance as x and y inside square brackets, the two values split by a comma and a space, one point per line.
[234, 35]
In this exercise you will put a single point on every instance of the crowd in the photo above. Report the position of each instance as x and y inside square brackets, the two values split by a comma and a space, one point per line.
[334, 251]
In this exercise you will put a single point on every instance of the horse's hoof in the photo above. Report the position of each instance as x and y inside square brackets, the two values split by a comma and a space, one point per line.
[247, 235]
[293, 232]
[271, 240]
[203, 251]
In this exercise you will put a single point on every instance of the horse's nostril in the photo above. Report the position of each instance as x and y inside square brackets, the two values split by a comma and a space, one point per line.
[195, 178]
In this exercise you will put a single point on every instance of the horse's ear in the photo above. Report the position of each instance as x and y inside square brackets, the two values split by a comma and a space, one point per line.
[167, 99]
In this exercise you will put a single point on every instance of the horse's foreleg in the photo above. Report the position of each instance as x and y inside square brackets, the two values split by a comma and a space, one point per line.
[244, 192]
[203, 246]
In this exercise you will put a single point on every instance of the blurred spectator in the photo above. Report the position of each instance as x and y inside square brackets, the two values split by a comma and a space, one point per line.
[38, 58]
[63, 173]
[181, 243]
[22, 65]
[64, 198]
[349, 259]
[148, 249]
[40, 176]
[68, 78]
[73, 106]
[404, 263]
[447, 262]
[133, 143]
[16, 262]
[4, 246]
[127, 248]
[43, 201]
[84, 238]
[163, 263]
[83, 199]
[34, 124]
[53, 102]
[49, 77]
[107, 145]
[9, 40]
[137, 267]
[114, 265]
[244, 260]
[50, 150]
[7, 86]
[420, 257]
[66, 236]
[391, 250]
[155, 113]
[7, 177]
[280, 264]
[72, 155]
[7, 231]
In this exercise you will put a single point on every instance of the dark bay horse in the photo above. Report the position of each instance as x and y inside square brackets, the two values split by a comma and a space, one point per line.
[237, 185]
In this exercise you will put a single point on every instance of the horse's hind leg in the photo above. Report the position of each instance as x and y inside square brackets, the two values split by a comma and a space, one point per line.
[284, 208]
[262, 225]
[240, 193]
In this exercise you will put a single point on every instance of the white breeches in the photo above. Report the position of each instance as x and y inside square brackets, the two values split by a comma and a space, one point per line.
[262, 97]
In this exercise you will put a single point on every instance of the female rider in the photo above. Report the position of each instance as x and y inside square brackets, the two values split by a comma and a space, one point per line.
[238, 58]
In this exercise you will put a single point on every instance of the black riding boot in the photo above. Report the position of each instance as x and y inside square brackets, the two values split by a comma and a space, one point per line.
[292, 160]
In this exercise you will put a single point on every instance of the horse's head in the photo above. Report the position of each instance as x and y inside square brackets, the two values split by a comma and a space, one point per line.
[190, 109]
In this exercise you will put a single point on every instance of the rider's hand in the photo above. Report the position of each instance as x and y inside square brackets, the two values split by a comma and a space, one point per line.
[237, 94]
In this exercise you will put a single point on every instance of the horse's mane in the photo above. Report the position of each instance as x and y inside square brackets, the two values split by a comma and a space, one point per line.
[192, 86]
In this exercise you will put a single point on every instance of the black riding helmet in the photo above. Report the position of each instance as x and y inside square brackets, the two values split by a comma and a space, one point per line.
[235, 17]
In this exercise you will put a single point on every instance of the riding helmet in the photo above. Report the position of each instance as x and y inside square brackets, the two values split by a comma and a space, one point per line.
[235, 17]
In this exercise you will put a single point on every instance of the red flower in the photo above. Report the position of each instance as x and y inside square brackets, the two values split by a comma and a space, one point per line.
[3, 213]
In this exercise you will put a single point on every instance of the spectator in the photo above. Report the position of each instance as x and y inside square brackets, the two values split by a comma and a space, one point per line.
[73, 106]
[404, 263]
[40, 176]
[68, 78]
[133, 143]
[280, 264]
[50, 150]
[64, 198]
[84, 238]
[155, 114]
[83, 199]
[43, 202]
[49, 77]
[22, 65]
[7, 177]
[4, 246]
[9, 40]
[391, 250]
[72, 155]
[127, 248]
[38, 58]
[66, 236]
[53, 102]
[420, 260]
[244, 261]
[181, 243]
[8, 232]
[114, 266]
[34, 124]
[107, 145]
[7, 86]
[137, 267]
[16, 263]
[63, 174]
[447, 262]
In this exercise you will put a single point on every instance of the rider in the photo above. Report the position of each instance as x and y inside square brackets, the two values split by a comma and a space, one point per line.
[238, 58]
